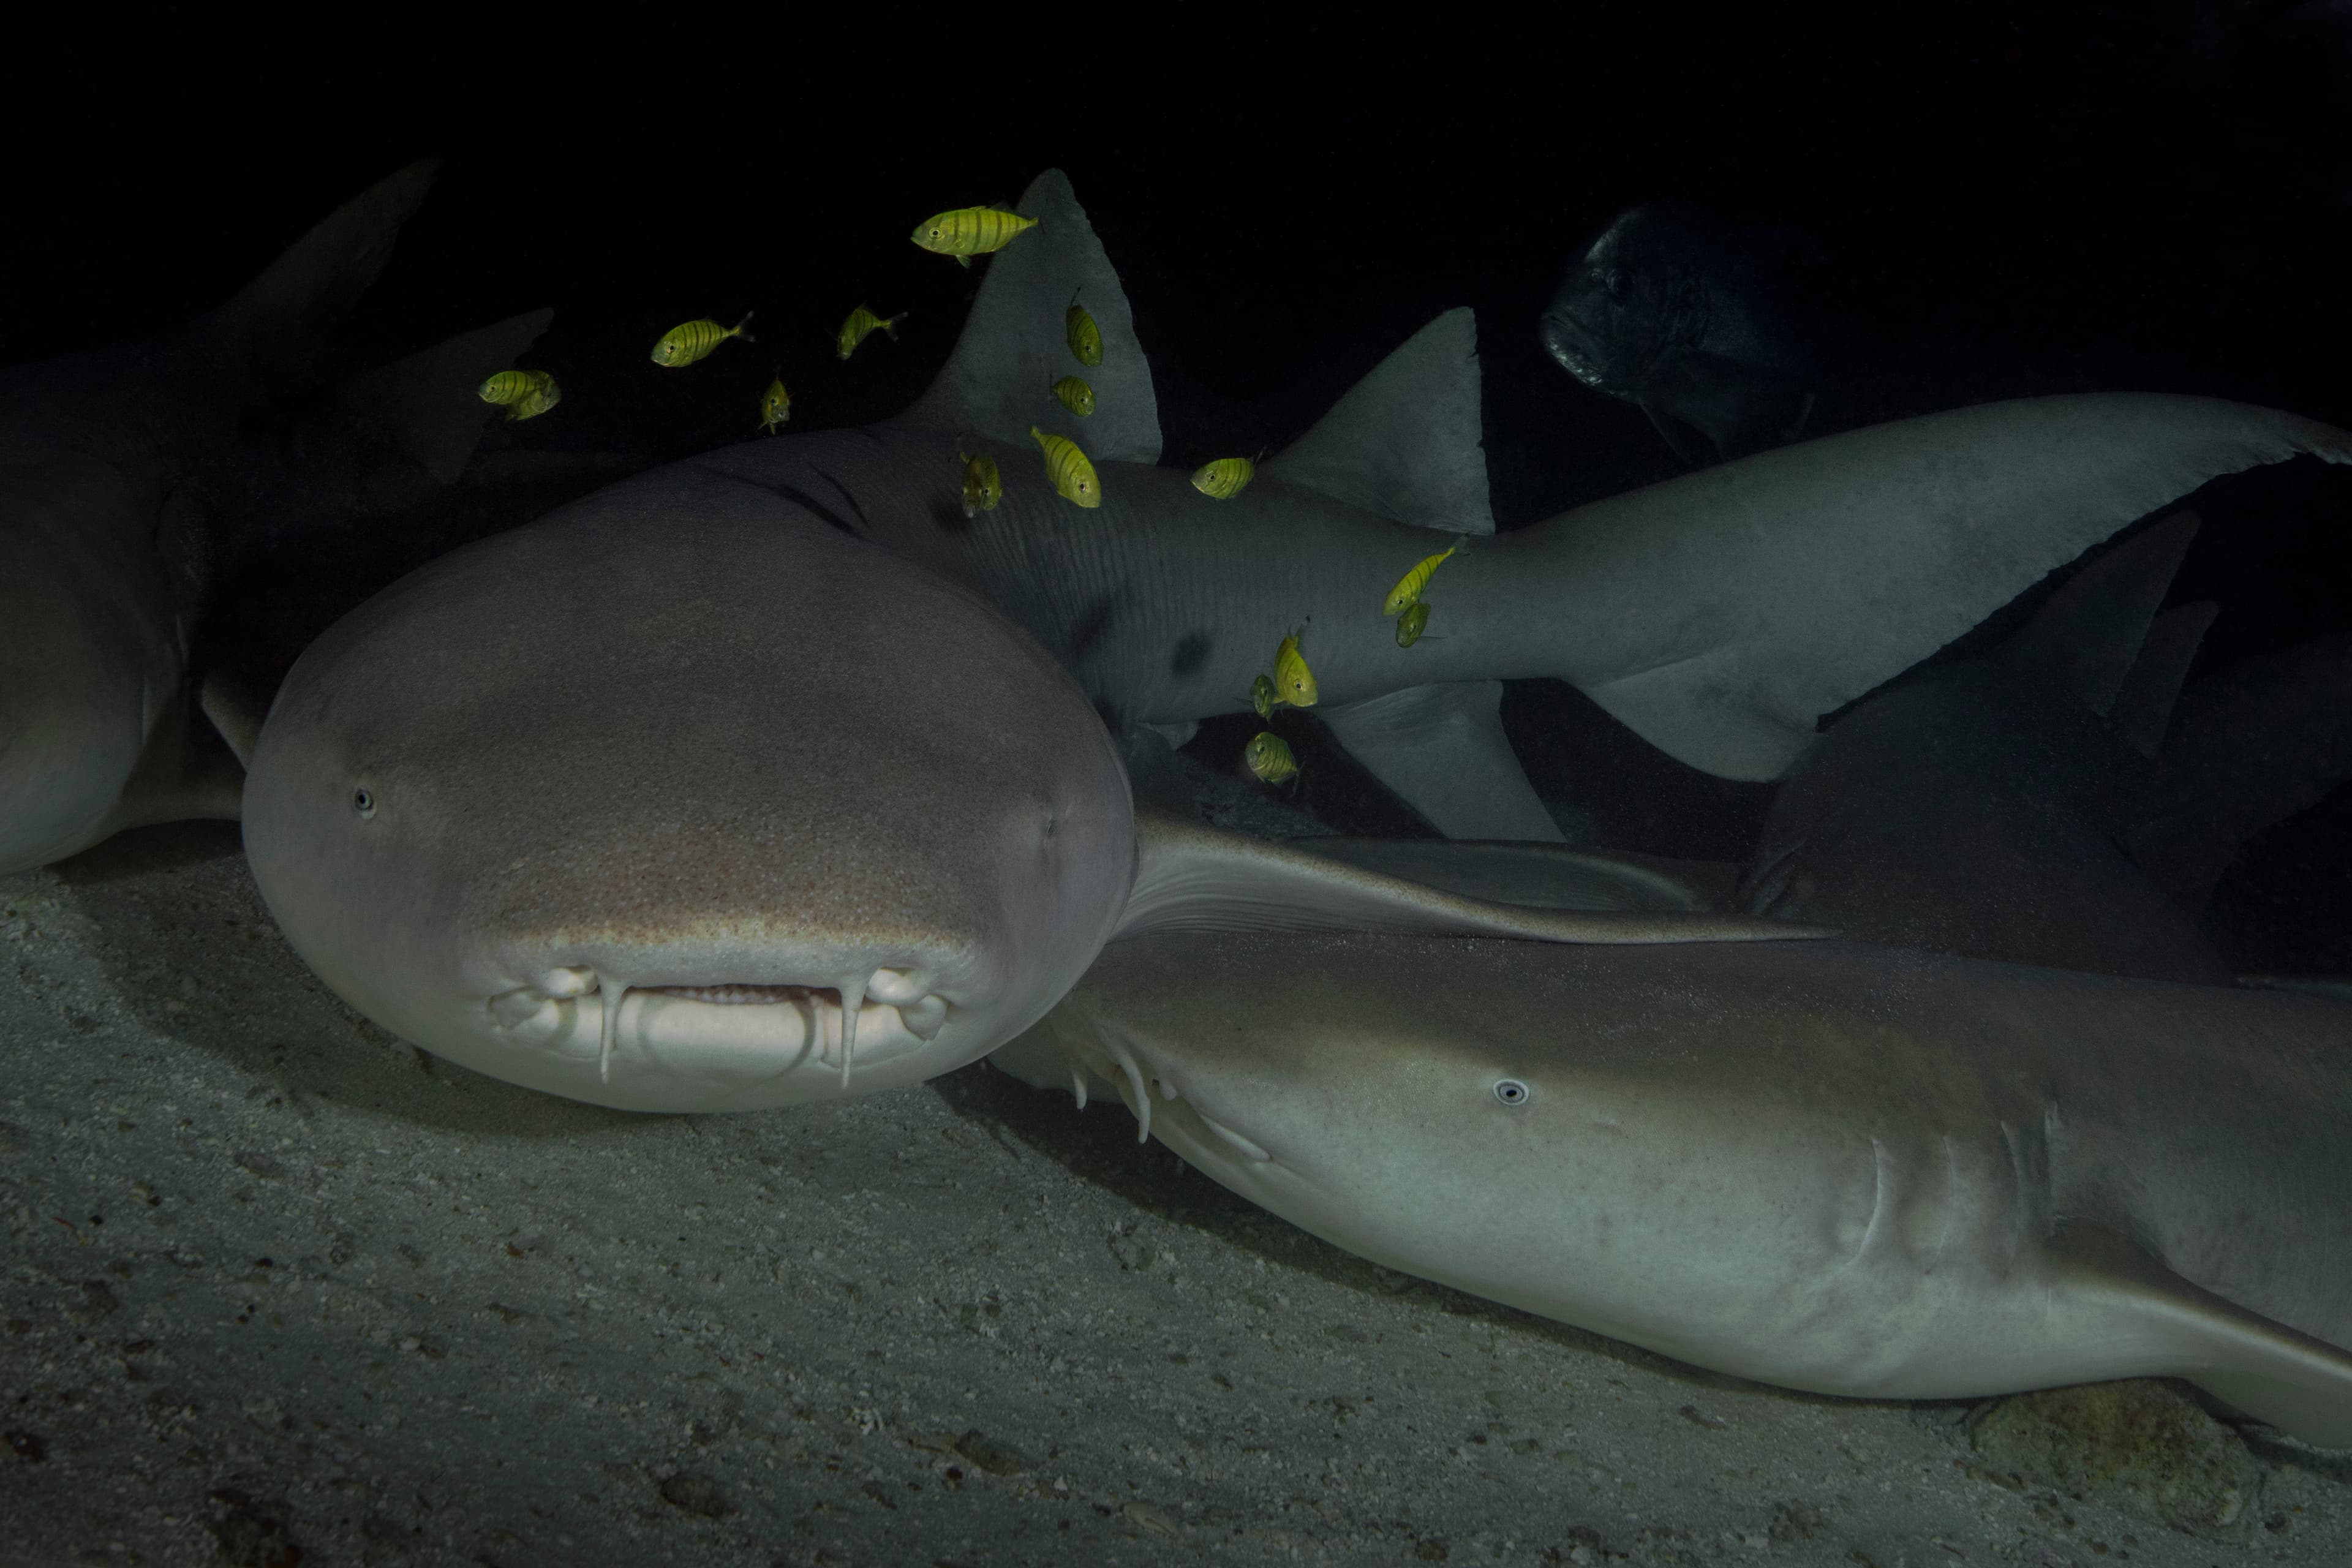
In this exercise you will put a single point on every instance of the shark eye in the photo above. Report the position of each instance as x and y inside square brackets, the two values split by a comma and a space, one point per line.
[1511, 1091]
[363, 802]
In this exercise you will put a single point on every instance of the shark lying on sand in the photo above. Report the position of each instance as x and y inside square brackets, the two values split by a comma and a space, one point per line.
[754, 750]
[1838, 1167]
[749, 813]
[131, 478]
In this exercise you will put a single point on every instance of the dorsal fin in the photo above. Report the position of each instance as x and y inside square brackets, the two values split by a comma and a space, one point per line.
[998, 381]
[280, 321]
[1404, 441]
[424, 405]
[2143, 710]
[2089, 632]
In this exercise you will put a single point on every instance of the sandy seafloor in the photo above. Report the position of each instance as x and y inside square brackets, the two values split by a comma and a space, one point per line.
[276, 1283]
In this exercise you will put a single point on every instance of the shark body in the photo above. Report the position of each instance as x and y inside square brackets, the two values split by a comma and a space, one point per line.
[1719, 615]
[130, 479]
[769, 775]
[1829, 1165]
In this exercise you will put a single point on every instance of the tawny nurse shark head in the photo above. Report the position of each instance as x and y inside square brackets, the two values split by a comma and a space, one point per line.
[745, 814]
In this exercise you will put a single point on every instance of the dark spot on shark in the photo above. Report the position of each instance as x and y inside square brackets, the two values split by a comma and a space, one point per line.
[1089, 627]
[1191, 653]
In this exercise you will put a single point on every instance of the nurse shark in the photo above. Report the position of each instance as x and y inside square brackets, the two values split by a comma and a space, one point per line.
[130, 479]
[769, 775]
[1853, 1168]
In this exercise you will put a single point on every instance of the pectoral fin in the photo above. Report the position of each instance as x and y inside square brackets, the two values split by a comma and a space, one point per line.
[1540, 876]
[1442, 747]
[2300, 1385]
[1190, 878]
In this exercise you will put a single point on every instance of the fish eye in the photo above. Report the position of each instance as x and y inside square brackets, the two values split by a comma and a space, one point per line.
[363, 802]
[1511, 1091]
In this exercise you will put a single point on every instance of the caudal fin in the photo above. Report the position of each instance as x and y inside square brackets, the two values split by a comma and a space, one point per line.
[1720, 615]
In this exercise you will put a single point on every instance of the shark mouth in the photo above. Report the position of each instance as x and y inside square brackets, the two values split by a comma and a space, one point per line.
[1115, 1056]
[870, 1017]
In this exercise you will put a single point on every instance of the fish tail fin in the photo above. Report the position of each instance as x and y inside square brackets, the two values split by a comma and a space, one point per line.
[890, 326]
[737, 330]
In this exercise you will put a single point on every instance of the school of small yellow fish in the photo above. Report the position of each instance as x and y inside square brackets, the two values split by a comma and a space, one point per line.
[963, 233]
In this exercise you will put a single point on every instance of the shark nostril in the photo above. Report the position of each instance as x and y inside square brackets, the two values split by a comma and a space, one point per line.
[517, 1006]
[923, 1018]
[897, 986]
[575, 980]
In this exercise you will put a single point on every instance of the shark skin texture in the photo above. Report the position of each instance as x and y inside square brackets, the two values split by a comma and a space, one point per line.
[1829, 1165]
[131, 477]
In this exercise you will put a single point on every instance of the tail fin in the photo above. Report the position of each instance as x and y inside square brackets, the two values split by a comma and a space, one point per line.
[276, 323]
[425, 406]
[1721, 614]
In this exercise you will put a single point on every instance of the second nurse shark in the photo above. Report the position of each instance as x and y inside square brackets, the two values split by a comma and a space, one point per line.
[747, 744]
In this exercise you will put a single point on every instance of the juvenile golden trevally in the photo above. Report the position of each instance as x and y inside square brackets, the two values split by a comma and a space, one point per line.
[691, 340]
[861, 325]
[1292, 680]
[1084, 337]
[983, 486]
[540, 394]
[1072, 473]
[1269, 757]
[967, 232]
[1409, 623]
[1409, 586]
[1224, 477]
[775, 404]
[1075, 396]
[1263, 696]
[505, 389]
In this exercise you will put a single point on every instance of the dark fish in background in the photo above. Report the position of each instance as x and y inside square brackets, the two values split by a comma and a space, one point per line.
[1694, 320]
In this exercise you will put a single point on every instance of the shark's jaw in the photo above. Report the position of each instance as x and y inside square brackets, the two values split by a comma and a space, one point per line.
[581, 1020]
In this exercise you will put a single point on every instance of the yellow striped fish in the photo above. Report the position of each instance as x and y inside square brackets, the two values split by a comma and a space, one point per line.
[537, 398]
[1409, 585]
[860, 326]
[1269, 757]
[1409, 623]
[1263, 698]
[984, 487]
[1293, 681]
[691, 340]
[1075, 396]
[967, 232]
[505, 389]
[1085, 338]
[1073, 475]
[1223, 479]
[775, 404]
